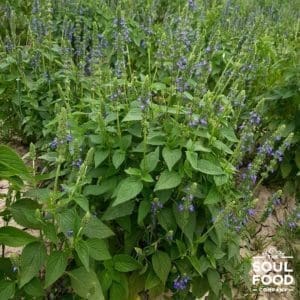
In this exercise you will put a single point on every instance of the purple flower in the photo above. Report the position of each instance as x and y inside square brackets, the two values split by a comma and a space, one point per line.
[192, 4]
[254, 118]
[203, 122]
[156, 206]
[191, 208]
[180, 283]
[180, 207]
[70, 233]
[253, 178]
[277, 201]
[278, 155]
[69, 138]
[14, 269]
[53, 144]
[251, 212]
[182, 63]
[77, 163]
[292, 225]
[208, 49]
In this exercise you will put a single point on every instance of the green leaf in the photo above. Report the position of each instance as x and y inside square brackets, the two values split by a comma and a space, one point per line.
[167, 180]
[7, 289]
[82, 201]
[200, 286]
[67, 220]
[192, 158]
[214, 281]
[104, 187]
[114, 212]
[117, 291]
[158, 86]
[11, 164]
[152, 281]
[100, 156]
[213, 196]
[223, 147]
[161, 263]
[208, 167]
[128, 189]
[229, 134]
[186, 222]
[195, 263]
[86, 284]
[118, 158]
[134, 114]
[150, 161]
[285, 168]
[14, 237]
[125, 263]
[166, 219]
[24, 213]
[34, 288]
[171, 156]
[55, 267]
[82, 251]
[96, 229]
[32, 259]
[98, 249]
[143, 211]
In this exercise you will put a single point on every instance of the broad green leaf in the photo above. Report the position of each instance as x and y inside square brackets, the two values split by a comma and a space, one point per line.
[114, 212]
[158, 86]
[152, 281]
[67, 220]
[32, 259]
[7, 289]
[105, 186]
[286, 168]
[161, 263]
[82, 251]
[34, 288]
[125, 263]
[82, 201]
[167, 180]
[150, 161]
[213, 196]
[208, 167]
[195, 263]
[118, 158]
[86, 284]
[100, 156]
[134, 114]
[14, 237]
[11, 164]
[117, 291]
[200, 286]
[223, 147]
[186, 221]
[214, 281]
[229, 134]
[144, 209]
[55, 267]
[171, 156]
[192, 158]
[166, 219]
[98, 249]
[96, 229]
[24, 213]
[128, 189]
